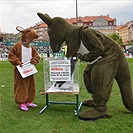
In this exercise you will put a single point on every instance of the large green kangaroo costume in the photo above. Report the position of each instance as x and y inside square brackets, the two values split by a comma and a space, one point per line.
[105, 58]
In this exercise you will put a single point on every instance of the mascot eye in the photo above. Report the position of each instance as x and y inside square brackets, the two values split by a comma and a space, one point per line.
[49, 31]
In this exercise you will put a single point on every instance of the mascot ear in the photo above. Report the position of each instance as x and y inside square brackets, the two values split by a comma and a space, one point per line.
[19, 28]
[46, 18]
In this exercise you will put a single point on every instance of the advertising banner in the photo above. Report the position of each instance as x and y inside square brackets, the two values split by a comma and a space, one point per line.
[60, 70]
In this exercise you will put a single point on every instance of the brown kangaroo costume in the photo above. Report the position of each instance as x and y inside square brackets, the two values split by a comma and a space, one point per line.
[105, 58]
[24, 88]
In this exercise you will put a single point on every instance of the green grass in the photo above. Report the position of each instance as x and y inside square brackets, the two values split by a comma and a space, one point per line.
[58, 118]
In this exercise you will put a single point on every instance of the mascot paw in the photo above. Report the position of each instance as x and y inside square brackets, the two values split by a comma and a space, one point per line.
[89, 103]
[92, 115]
[34, 62]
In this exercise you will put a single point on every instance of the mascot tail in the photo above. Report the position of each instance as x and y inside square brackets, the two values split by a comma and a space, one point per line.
[123, 79]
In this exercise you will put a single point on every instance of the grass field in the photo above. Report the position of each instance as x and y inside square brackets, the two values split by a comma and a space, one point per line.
[58, 118]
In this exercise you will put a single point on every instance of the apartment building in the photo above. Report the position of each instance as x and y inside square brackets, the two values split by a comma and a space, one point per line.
[41, 29]
[126, 32]
[104, 24]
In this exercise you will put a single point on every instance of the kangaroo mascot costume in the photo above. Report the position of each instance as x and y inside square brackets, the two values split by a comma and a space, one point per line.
[22, 52]
[105, 58]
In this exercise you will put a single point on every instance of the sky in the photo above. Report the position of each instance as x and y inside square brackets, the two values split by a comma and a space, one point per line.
[23, 13]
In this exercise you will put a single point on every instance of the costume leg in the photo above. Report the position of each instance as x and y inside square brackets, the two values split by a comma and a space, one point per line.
[88, 84]
[20, 89]
[102, 77]
[31, 89]
[87, 78]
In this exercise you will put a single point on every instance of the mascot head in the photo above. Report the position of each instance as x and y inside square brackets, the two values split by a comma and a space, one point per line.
[56, 30]
[27, 33]
[60, 31]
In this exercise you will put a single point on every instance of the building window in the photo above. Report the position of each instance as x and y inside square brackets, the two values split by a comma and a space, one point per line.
[110, 23]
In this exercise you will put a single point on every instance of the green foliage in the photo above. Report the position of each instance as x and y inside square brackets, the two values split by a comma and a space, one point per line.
[130, 42]
[116, 38]
[58, 118]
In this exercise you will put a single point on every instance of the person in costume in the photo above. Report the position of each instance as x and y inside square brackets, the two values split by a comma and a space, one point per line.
[21, 52]
[105, 62]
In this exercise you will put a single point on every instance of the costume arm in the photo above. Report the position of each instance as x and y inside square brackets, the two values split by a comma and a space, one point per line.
[94, 46]
[35, 57]
[14, 55]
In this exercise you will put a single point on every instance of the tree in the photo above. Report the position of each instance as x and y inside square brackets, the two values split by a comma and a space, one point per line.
[116, 38]
[130, 42]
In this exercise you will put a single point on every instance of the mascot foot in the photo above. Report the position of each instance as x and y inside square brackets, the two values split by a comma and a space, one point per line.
[89, 103]
[92, 115]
